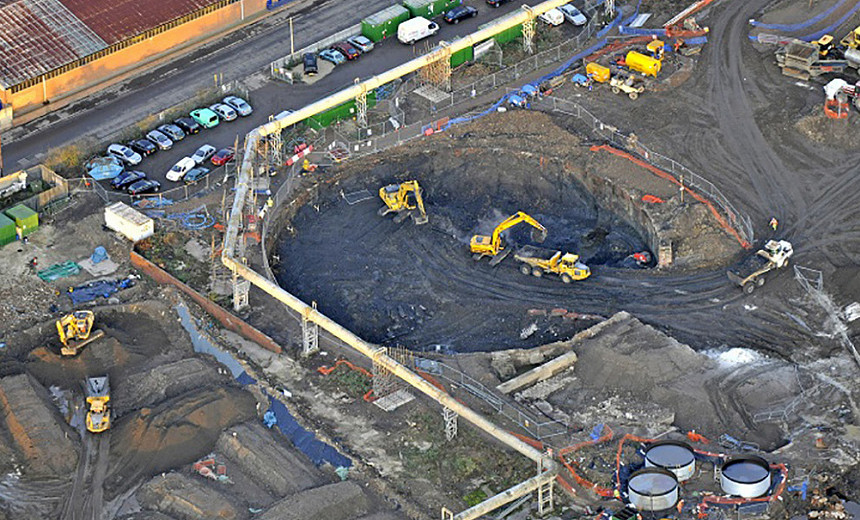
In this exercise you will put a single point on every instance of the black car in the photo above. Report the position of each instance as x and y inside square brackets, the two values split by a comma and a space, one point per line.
[143, 146]
[195, 174]
[144, 186]
[461, 12]
[188, 125]
[127, 177]
[496, 3]
[310, 61]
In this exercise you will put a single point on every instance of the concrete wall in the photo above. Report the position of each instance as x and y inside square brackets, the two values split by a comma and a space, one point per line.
[131, 57]
[216, 311]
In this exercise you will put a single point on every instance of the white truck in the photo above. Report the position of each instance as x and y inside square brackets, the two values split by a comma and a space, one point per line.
[750, 273]
[416, 29]
[13, 183]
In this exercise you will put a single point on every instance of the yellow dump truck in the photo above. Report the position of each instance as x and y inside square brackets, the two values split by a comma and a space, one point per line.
[98, 398]
[537, 261]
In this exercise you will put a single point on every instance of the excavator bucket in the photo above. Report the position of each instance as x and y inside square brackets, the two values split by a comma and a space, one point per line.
[539, 235]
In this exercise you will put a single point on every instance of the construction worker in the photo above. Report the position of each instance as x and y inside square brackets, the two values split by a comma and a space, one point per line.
[774, 223]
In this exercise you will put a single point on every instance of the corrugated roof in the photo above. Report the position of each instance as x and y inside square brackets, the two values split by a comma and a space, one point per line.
[117, 20]
[37, 36]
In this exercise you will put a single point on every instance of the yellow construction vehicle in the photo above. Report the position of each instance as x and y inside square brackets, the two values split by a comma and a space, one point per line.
[537, 261]
[98, 397]
[852, 39]
[405, 200]
[483, 245]
[656, 48]
[825, 45]
[76, 331]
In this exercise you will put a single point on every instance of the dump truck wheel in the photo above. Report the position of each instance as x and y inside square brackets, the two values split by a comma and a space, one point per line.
[749, 288]
[633, 95]
[525, 269]
[537, 273]
[566, 278]
[616, 90]
[759, 281]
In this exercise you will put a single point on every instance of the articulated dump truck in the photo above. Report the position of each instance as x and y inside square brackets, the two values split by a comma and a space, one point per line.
[750, 273]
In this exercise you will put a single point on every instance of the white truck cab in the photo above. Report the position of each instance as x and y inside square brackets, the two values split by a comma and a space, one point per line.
[416, 29]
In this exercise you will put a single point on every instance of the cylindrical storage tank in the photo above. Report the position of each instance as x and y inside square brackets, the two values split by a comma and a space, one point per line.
[642, 63]
[674, 456]
[853, 57]
[746, 476]
[653, 489]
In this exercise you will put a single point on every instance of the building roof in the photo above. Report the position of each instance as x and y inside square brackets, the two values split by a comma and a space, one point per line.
[117, 20]
[37, 36]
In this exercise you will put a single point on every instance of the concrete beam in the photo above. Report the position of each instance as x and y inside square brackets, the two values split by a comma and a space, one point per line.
[539, 373]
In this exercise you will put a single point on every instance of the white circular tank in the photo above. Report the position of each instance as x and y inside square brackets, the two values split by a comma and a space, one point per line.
[746, 476]
[653, 489]
[674, 456]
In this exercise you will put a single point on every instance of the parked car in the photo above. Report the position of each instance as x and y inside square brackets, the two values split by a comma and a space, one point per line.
[223, 156]
[203, 153]
[124, 154]
[205, 117]
[195, 174]
[125, 178]
[188, 125]
[309, 60]
[416, 29]
[144, 186]
[224, 111]
[347, 49]
[102, 168]
[239, 105]
[572, 14]
[282, 115]
[160, 140]
[553, 17]
[461, 12]
[172, 131]
[496, 3]
[333, 56]
[361, 43]
[143, 146]
[180, 169]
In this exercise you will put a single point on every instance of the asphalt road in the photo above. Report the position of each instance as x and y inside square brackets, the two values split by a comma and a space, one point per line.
[240, 55]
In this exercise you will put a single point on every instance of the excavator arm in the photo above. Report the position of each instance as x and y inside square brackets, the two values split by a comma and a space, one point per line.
[483, 245]
[396, 198]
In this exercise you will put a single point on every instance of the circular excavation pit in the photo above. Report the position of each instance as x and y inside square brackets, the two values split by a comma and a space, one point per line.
[418, 285]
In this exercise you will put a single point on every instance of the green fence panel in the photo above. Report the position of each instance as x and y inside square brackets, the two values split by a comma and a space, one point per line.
[462, 56]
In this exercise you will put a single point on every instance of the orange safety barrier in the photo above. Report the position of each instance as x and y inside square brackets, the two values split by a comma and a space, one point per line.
[665, 175]
[582, 481]
[432, 380]
[835, 109]
[538, 445]
[652, 199]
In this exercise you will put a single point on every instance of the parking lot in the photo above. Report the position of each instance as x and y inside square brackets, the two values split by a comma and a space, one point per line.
[274, 97]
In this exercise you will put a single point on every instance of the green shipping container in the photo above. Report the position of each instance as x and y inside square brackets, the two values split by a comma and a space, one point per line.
[383, 24]
[7, 230]
[429, 8]
[462, 56]
[25, 218]
[344, 111]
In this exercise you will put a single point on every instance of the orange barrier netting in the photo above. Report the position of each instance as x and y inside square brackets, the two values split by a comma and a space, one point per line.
[324, 370]
[582, 481]
[665, 175]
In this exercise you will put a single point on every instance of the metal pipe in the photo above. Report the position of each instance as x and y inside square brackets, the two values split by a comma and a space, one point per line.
[377, 354]
[506, 496]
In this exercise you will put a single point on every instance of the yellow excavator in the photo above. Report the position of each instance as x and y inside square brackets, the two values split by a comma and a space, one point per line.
[405, 200]
[76, 331]
[483, 245]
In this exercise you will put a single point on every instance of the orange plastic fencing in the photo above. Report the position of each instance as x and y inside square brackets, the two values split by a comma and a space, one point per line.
[665, 175]
[324, 370]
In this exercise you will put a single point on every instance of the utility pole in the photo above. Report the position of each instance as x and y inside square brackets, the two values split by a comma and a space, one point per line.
[1, 153]
[292, 47]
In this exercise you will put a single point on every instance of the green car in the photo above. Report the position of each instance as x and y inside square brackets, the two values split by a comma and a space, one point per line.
[205, 117]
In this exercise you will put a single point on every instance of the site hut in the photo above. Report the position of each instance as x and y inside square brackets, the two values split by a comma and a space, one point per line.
[8, 233]
[26, 220]
[383, 24]
[430, 8]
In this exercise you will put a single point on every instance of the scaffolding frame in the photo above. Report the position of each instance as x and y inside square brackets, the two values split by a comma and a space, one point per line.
[529, 27]
[450, 418]
[310, 333]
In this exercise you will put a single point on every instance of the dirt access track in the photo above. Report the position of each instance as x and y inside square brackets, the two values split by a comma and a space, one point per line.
[418, 285]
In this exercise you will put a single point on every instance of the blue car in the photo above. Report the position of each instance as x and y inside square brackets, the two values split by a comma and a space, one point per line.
[333, 56]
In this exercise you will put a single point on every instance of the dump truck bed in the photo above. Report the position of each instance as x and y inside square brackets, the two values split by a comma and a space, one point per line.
[752, 264]
[98, 387]
[527, 253]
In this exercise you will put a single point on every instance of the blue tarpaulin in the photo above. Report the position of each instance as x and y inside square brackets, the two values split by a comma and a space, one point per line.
[316, 450]
[95, 290]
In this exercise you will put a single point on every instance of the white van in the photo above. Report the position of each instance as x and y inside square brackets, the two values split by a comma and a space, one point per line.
[553, 17]
[415, 29]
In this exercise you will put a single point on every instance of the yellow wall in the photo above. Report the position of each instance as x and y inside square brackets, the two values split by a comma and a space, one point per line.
[126, 59]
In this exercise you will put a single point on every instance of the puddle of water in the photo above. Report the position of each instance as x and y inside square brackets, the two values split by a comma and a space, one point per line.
[202, 344]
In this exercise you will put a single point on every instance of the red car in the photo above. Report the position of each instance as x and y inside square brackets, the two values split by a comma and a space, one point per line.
[223, 156]
[347, 49]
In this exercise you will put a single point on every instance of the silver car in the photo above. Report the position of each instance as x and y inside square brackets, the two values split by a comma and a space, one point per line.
[572, 14]
[124, 154]
[160, 140]
[172, 131]
[224, 111]
[204, 153]
[239, 105]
